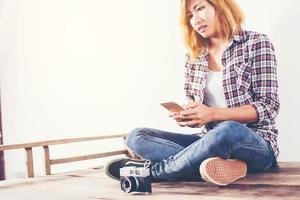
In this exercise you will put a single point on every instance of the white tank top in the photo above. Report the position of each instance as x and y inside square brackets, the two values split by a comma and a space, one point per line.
[214, 92]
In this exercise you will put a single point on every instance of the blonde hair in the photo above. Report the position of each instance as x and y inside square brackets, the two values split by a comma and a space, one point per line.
[230, 18]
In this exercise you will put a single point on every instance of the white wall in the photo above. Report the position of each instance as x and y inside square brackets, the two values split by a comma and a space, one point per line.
[82, 68]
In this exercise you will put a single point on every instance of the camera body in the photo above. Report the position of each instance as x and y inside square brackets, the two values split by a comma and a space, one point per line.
[135, 179]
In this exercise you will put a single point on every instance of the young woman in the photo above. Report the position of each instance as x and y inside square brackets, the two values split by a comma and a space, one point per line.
[231, 85]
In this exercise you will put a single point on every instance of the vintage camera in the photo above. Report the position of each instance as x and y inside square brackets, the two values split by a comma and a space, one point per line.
[135, 179]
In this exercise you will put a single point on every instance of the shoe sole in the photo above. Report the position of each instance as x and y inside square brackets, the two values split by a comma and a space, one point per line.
[222, 172]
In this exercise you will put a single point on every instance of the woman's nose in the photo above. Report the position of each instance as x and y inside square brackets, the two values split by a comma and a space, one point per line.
[197, 19]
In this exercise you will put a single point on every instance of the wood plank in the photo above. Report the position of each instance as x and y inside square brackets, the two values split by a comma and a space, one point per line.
[87, 157]
[47, 160]
[287, 174]
[270, 179]
[29, 162]
[56, 142]
[206, 191]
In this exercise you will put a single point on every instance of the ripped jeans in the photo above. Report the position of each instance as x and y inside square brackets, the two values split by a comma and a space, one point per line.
[178, 156]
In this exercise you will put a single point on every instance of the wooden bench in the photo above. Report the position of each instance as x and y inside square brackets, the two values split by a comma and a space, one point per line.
[281, 183]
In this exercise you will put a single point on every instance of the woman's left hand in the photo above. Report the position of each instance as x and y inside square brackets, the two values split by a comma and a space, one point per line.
[195, 115]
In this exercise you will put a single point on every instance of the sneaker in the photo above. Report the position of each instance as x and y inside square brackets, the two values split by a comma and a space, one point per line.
[222, 172]
[112, 169]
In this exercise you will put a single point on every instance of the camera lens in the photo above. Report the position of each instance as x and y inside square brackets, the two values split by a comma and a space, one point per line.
[128, 184]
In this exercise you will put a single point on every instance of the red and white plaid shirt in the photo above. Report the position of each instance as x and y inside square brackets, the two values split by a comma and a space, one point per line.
[249, 77]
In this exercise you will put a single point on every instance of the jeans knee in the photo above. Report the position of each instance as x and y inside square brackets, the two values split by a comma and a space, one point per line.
[131, 138]
[230, 124]
[229, 132]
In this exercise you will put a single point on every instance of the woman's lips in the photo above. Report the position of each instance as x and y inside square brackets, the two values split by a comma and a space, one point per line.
[202, 28]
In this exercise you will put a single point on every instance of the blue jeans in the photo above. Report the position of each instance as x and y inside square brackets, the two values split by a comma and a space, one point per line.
[178, 156]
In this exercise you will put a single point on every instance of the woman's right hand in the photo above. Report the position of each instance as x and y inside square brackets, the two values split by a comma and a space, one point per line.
[176, 115]
[173, 114]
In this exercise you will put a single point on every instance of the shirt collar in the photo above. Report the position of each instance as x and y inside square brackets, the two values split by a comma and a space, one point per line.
[240, 36]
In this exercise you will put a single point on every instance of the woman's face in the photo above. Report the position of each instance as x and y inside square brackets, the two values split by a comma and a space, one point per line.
[202, 17]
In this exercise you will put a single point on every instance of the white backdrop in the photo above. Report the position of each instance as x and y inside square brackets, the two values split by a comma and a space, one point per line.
[73, 68]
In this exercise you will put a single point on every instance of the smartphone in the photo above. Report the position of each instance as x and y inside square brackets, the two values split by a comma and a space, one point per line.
[172, 106]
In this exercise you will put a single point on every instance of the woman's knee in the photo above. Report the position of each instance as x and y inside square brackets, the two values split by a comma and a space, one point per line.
[134, 135]
[231, 125]
[230, 133]
[231, 129]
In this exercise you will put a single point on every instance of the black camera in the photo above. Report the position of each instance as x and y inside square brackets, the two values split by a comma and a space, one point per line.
[135, 179]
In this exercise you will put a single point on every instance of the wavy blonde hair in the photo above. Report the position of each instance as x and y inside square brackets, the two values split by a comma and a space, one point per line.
[230, 18]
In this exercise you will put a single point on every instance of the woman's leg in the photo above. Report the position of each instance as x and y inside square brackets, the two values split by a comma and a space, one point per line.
[227, 140]
[156, 145]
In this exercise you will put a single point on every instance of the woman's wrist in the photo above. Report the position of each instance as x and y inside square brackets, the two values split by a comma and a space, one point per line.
[215, 114]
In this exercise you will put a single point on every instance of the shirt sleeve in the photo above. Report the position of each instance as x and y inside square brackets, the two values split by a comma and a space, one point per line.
[187, 80]
[264, 80]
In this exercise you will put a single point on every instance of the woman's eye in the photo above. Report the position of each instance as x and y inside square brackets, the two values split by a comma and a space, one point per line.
[200, 8]
[189, 16]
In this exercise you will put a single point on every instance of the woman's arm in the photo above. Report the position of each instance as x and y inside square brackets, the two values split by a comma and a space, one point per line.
[264, 80]
[244, 114]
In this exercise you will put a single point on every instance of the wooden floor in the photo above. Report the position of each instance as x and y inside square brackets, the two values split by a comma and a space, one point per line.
[283, 183]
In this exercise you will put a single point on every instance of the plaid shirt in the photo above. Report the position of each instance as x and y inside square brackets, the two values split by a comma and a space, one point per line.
[249, 77]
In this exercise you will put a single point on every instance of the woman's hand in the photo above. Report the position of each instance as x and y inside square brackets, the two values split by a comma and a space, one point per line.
[195, 115]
